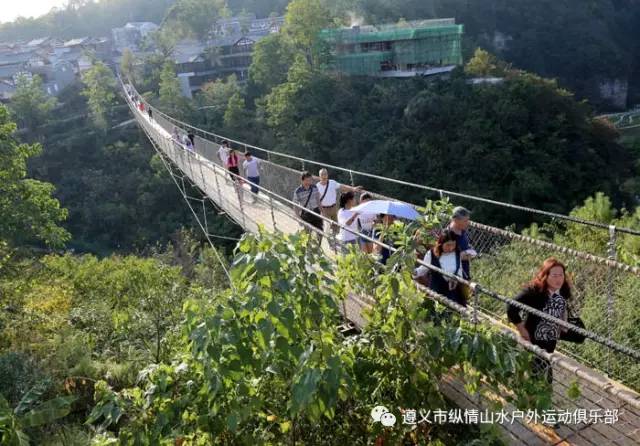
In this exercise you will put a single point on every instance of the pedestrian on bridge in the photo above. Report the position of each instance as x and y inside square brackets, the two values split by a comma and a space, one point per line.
[459, 224]
[187, 143]
[549, 292]
[150, 113]
[365, 223]
[175, 135]
[223, 153]
[445, 255]
[308, 198]
[232, 165]
[251, 167]
[381, 234]
[329, 190]
[348, 218]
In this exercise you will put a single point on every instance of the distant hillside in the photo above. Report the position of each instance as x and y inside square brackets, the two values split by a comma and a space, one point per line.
[591, 47]
[91, 19]
[99, 17]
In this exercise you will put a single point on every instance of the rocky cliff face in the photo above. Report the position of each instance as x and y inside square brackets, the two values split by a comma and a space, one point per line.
[605, 93]
[501, 41]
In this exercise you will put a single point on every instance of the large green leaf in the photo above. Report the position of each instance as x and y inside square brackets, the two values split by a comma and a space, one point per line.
[22, 438]
[48, 411]
[304, 389]
[4, 405]
[31, 398]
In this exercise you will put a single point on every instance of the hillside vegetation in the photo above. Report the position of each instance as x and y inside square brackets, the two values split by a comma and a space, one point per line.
[120, 326]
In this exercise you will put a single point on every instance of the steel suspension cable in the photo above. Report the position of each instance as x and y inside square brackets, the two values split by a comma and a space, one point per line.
[195, 214]
[352, 172]
[591, 335]
[288, 203]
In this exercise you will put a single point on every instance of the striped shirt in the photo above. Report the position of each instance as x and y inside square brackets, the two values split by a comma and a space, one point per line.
[302, 195]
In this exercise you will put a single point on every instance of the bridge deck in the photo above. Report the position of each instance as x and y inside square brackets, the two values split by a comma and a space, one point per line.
[216, 184]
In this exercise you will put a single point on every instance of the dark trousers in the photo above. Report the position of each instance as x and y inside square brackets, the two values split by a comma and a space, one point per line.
[233, 170]
[312, 219]
[441, 286]
[254, 182]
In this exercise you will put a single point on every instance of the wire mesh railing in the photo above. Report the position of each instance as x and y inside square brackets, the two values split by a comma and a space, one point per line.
[606, 291]
[274, 211]
[554, 222]
[606, 294]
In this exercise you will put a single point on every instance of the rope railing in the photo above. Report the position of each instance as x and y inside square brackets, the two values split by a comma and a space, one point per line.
[471, 313]
[628, 399]
[533, 241]
[563, 249]
[629, 374]
[587, 256]
[596, 338]
[623, 398]
[441, 192]
[281, 201]
[593, 336]
[606, 290]
[187, 198]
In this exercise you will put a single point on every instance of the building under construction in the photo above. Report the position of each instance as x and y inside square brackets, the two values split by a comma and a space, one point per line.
[422, 47]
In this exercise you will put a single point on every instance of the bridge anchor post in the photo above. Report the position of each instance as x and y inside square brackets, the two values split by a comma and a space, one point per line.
[474, 296]
[273, 215]
[215, 175]
[610, 289]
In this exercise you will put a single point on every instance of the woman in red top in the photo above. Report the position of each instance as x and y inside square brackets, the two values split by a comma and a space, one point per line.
[232, 164]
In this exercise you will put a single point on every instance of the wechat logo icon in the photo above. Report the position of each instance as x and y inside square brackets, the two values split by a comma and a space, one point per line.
[381, 414]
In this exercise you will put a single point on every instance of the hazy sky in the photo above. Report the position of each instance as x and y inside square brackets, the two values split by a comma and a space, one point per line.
[10, 9]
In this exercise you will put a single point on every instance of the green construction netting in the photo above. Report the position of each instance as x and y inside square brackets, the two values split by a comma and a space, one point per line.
[426, 43]
[362, 63]
[346, 36]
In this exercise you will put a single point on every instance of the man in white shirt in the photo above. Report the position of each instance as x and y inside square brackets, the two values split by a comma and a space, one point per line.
[223, 153]
[328, 190]
[251, 167]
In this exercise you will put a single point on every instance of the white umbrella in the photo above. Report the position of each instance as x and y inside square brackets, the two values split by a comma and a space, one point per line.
[395, 208]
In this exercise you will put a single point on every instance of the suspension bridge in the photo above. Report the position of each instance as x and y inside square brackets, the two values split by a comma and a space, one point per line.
[627, 120]
[606, 367]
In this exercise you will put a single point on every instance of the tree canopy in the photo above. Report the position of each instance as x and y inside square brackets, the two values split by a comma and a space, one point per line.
[586, 48]
[85, 18]
[193, 18]
[145, 341]
[31, 105]
[28, 211]
[100, 87]
[507, 141]
[170, 94]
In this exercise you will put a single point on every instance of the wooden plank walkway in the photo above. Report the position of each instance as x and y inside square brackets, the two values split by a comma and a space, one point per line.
[273, 215]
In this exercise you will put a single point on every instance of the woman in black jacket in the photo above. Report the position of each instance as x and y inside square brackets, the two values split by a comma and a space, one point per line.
[548, 292]
[446, 256]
